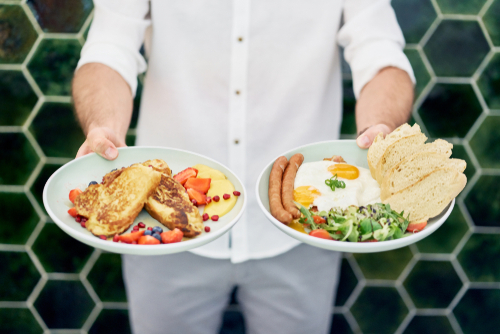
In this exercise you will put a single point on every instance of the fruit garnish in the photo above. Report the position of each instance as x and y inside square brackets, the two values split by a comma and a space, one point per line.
[129, 237]
[202, 185]
[226, 196]
[184, 175]
[73, 194]
[200, 198]
[172, 236]
[148, 240]
[72, 212]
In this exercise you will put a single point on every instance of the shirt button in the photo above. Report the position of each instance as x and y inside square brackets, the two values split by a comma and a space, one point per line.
[236, 141]
[240, 39]
[237, 92]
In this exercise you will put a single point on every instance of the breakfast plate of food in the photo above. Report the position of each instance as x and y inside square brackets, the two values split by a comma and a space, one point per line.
[148, 201]
[336, 196]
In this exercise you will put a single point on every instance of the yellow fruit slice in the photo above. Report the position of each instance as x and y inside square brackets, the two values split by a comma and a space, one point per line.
[297, 226]
[206, 172]
[223, 206]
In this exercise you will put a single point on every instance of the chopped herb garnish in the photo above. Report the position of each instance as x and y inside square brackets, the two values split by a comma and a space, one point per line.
[334, 183]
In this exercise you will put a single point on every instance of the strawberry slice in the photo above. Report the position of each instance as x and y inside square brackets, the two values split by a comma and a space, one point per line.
[201, 198]
[148, 240]
[172, 236]
[131, 237]
[320, 233]
[200, 184]
[73, 194]
[416, 227]
[187, 173]
[72, 212]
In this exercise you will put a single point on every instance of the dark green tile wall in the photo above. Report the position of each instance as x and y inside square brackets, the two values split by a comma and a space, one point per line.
[442, 46]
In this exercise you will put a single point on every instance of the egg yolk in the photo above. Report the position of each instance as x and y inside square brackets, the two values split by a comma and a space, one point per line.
[305, 195]
[344, 171]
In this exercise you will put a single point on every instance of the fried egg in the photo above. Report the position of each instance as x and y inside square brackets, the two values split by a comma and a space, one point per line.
[310, 188]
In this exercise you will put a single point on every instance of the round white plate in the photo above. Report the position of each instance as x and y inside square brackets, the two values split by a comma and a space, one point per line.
[79, 172]
[352, 154]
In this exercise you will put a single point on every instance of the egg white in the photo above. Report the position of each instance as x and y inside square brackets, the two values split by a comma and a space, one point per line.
[360, 192]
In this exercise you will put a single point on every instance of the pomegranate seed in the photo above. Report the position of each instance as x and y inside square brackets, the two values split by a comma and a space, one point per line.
[195, 203]
[150, 228]
[150, 165]
[207, 228]
[216, 198]
[78, 219]
[205, 216]
[236, 193]
[83, 220]
[135, 228]
[142, 225]
[116, 238]
[134, 242]
[226, 196]
[103, 237]
[215, 218]
[83, 225]
[209, 199]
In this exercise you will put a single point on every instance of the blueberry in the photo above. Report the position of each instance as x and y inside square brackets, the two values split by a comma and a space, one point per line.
[148, 232]
[157, 229]
[325, 218]
[157, 236]
[114, 169]
[92, 182]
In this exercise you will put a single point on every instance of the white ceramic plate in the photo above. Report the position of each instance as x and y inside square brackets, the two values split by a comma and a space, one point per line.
[352, 154]
[79, 172]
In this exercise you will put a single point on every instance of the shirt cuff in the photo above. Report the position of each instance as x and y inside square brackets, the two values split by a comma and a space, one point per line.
[371, 57]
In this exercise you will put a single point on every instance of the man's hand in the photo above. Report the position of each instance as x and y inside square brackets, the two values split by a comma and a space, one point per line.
[102, 141]
[366, 137]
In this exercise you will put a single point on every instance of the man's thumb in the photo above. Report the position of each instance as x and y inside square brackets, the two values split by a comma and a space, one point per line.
[365, 140]
[104, 148]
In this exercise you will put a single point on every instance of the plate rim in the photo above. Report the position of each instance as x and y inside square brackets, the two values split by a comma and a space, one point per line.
[350, 247]
[122, 248]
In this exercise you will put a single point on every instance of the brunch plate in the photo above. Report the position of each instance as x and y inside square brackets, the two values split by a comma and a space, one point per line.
[92, 167]
[352, 154]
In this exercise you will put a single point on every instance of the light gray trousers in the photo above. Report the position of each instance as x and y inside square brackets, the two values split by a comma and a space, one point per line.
[185, 293]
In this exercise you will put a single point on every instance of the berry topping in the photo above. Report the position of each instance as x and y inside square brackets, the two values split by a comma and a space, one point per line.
[148, 240]
[82, 224]
[172, 236]
[103, 237]
[78, 219]
[226, 196]
[215, 218]
[92, 182]
[73, 194]
[114, 169]
[72, 212]
[205, 217]
[157, 236]
[148, 232]
[116, 238]
[216, 198]
[236, 193]
[83, 220]
[195, 202]
[150, 228]
[207, 228]
[150, 165]
[135, 228]
[157, 229]
[141, 225]
[209, 199]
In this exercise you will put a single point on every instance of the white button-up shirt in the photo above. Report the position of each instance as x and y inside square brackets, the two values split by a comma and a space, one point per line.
[242, 81]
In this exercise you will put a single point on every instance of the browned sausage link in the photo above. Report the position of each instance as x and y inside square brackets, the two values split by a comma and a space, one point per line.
[288, 181]
[275, 191]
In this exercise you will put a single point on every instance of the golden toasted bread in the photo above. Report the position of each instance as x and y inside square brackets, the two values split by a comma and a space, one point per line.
[111, 207]
[170, 205]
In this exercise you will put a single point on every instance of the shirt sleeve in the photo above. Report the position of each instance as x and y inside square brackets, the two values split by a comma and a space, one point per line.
[115, 37]
[372, 40]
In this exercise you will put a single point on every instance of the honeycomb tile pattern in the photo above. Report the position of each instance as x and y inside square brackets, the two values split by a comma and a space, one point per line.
[447, 283]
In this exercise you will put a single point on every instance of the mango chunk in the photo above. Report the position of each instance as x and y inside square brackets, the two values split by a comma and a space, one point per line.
[223, 206]
[205, 172]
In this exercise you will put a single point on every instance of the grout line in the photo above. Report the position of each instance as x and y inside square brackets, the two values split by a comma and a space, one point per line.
[92, 317]
[483, 65]
[431, 30]
[90, 263]
[7, 304]
[458, 296]
[485, 8]
[406, 321]
[460, 17]
[454, 323]
[460, 271]
[12, 248]
[432, 312]
[38, 318]
[485, 33]
[124, 306]
[34, 234]
[11, 189]
[351, 320]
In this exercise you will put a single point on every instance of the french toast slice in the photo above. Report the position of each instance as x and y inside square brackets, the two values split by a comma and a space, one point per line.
[111, 207]
[170, 204]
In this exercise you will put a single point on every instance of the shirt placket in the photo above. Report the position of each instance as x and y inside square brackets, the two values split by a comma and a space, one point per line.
[237, 115]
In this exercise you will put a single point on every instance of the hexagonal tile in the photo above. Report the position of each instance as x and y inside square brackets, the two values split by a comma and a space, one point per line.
[18, 320]
[371, 317]
[447, 237]
[466, 7]
[489, 82]
[17, 212]
[450, 110]
[479, 258]
[17, 158]
[53, 64]
[384, 265]
[106, 278]
[491, 20]
[485, 143]
[415, 17]
[452, 38]
[64, 304]
[17, 96]
[46, 128]
[61, 15]
[111, 321]
[432, 284]
[483, 201]
[347, 283]
[37, 187]
[421, 74]
[58, 252]
[349, 106]
[340, 325]
[232, 323]
[19, 276]
[137, 105]
[429, 325]
[17, 34]
[459, 152]
[477, 311]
